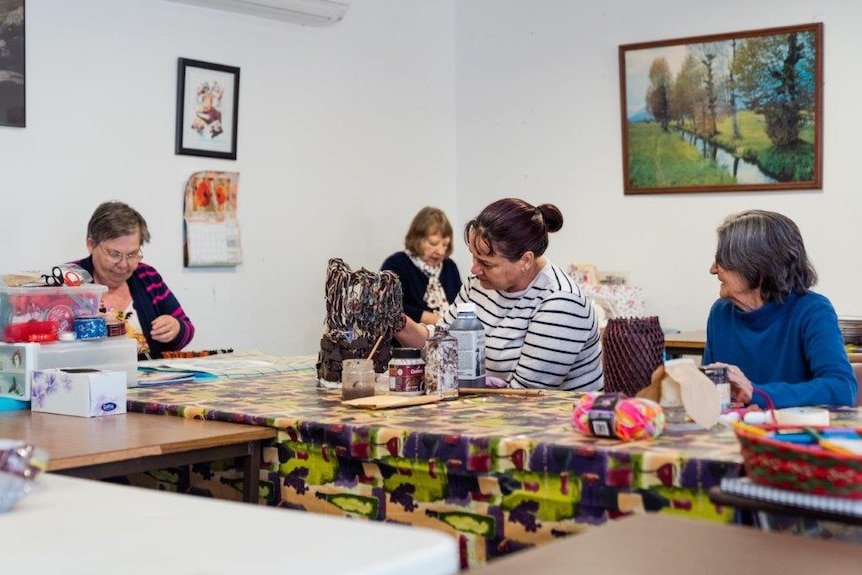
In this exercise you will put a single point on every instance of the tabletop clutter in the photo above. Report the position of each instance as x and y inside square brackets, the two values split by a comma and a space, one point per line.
[59, 353]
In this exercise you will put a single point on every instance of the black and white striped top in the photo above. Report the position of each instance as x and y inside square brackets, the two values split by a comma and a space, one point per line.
[546, 337]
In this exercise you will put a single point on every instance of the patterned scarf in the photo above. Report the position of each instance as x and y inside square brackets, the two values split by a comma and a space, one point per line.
[435, 297]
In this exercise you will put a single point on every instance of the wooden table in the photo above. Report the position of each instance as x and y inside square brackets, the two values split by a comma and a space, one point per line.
[72, 526]
[111, 445]
[685, 343]
[673, 545]
[694, 342]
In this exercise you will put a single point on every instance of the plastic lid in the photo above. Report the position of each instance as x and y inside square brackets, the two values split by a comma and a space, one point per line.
[466, 307]
[407, 352]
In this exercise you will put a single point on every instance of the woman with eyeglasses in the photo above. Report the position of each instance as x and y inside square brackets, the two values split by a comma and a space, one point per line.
[429, 278]
[137, 294]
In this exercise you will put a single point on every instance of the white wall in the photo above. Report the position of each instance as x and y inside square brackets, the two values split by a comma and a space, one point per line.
[538, 116]
[344, 132]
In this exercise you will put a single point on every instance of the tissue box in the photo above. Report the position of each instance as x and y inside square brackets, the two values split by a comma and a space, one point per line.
[78, 391]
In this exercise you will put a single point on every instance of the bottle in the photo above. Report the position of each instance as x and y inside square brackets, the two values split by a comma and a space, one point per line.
[470, 333]
[441, 365]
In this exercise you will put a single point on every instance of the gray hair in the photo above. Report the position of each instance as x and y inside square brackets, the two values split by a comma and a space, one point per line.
[766, 248]
[116, 219]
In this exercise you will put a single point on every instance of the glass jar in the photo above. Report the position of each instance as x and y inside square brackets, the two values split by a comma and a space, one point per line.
[441, 365]
[718, 375]
[357, 378]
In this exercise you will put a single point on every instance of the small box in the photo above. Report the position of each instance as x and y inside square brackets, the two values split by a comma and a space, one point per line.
[61, 304]
[78, 391]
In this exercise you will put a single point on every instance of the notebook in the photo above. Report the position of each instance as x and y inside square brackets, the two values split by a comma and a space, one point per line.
[744, 487]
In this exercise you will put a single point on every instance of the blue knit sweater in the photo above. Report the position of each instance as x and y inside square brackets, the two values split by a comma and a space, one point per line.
[793, 351]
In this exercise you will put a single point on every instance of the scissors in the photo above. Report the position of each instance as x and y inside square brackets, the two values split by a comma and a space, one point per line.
[58, 277]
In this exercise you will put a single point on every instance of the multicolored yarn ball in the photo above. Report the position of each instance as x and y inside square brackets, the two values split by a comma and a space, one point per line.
[634, 418]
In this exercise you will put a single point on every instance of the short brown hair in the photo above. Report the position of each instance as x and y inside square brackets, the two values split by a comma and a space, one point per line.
[115, 219]
[427, 222]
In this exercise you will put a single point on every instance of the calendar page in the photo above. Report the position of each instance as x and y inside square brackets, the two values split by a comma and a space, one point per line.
[212, 236]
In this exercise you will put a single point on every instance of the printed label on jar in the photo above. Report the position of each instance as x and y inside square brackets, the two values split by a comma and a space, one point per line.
[407, 379]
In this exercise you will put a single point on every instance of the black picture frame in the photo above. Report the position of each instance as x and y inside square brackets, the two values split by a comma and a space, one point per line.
[734, 112]
[207, 109]
[13, 108]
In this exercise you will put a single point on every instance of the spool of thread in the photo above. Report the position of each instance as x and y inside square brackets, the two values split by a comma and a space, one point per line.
[90, 327]
[617, 416]
[115, 328]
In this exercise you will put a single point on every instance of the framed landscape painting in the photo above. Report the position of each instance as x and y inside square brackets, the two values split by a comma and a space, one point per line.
[724, 113]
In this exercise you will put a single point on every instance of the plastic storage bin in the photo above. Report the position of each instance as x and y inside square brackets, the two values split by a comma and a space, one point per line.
[44, 304]
[19, 360]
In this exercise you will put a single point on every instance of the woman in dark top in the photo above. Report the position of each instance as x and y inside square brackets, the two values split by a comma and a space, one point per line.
[430, 279]
[136, 293]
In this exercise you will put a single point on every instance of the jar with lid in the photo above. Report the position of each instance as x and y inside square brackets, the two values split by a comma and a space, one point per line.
[718, 375]
[407, 371]
[441, 364]
[357, 378]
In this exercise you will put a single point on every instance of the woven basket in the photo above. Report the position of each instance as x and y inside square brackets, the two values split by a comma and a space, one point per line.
[809, 469]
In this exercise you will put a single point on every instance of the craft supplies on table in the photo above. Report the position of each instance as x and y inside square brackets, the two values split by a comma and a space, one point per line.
[812, 459]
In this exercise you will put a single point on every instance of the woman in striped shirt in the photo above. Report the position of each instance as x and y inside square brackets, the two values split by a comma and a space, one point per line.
[540, 330]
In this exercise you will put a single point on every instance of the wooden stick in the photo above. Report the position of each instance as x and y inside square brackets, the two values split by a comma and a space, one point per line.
[499, 391]
[376, 345]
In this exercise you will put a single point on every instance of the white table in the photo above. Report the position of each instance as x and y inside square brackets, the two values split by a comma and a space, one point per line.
[71, 525]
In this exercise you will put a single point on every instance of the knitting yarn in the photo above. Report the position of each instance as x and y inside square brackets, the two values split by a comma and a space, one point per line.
[617, 416]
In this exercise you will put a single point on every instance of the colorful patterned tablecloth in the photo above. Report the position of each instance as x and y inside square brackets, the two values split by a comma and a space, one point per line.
[498, 472]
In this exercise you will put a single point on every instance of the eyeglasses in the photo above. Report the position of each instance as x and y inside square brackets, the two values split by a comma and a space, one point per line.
[116, 257]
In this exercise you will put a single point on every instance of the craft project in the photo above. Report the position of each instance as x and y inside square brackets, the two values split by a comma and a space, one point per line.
[362, 307]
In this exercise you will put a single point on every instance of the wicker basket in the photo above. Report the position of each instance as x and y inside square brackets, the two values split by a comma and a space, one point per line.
[805, 468]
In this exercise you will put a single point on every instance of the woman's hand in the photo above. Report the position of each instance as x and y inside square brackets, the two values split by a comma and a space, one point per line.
[165, 328]
[412, 334]
[741, 388]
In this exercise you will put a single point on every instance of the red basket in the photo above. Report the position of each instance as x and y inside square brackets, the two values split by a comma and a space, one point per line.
[805, 468]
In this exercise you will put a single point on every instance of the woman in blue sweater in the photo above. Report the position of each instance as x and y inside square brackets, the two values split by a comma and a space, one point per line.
[768, 328]
[429, 279]
[136, 292]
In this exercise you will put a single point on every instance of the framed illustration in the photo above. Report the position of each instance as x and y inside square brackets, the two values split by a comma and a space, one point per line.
[207, 109]
[724, 113]
[12, 101]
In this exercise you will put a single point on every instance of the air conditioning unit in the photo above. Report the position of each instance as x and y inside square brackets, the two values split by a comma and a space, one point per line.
[303, 12]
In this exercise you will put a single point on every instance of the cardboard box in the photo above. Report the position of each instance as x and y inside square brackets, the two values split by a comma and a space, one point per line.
[79, 391]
